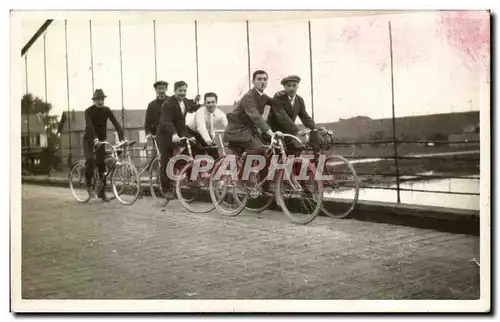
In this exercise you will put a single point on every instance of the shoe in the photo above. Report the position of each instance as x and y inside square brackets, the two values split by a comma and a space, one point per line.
[91, 191]
[102, 195]
[169, 195]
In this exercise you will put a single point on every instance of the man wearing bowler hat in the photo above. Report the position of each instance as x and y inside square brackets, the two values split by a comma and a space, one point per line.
[96, 119]
[286, 106]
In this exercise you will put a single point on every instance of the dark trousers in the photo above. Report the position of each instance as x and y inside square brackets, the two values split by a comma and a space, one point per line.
[201, 147]
[166, 154]
[252, 147]
[92, 159]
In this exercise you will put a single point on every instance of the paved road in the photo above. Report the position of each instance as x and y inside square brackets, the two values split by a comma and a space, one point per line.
[110, 251]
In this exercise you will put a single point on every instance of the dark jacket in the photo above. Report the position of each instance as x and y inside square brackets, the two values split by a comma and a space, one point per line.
[96, 120]
[172, 121]
[153, 116]
[246, 120]
[283, 115]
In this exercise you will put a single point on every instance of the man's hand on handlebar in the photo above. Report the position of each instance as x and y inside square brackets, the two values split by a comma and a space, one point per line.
[149, 136]
[176, 138]
[272, 134]
[97, 143]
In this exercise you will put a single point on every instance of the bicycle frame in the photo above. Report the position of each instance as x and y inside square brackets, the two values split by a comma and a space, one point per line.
[151, 160]
[116, 159]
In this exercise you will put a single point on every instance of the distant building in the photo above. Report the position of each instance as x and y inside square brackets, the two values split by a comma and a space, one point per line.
[33, 138]
[469, 137]
[72, 130]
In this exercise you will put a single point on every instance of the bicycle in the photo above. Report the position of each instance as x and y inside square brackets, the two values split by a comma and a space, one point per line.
[196, 185]
[153, 167]
[253, 187]
[333, 166]
[117, 162]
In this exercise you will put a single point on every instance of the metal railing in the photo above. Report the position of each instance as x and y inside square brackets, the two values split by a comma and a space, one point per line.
[393, 163]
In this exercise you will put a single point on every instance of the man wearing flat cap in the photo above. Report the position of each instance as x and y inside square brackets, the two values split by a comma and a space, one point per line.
[286, 106]
[96, 119]
[154, 108]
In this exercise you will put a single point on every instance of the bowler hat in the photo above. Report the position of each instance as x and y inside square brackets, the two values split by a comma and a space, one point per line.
[290, 78]
[99, 93]
[160, 82]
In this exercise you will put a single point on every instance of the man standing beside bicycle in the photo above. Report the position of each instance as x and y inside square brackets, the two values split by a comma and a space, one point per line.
[154, 109]
[96, 119]
[171, 127]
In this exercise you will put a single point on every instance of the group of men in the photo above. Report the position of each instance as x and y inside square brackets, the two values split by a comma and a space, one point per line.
[255, 117]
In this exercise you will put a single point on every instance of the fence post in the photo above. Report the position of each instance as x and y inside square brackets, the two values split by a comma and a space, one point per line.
[46, 120]
[394, 140]
[121, 72]
[196, 54]
[70, 161]
[154, 46]
[311, 69]
[27, 111]
[91, 55]
[248, 56]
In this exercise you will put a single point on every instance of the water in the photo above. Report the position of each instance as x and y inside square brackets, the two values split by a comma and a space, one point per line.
[424, 198]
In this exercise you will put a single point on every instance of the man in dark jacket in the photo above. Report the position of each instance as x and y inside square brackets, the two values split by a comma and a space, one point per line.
[286, 106]
[154, 108]
[171, 127]
[96, 119]
[246, 123]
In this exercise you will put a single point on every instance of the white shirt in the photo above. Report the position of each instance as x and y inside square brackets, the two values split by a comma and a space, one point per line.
[292, 99]
[205, 123]
[183, 106]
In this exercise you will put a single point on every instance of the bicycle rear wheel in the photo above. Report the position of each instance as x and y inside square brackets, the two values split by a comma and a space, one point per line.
[304, 196]
[342, 188]
[77, 184]
[226, 192]
[191, 192]
[126, 183]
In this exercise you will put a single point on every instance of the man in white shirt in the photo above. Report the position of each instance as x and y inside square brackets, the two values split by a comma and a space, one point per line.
[208, 118]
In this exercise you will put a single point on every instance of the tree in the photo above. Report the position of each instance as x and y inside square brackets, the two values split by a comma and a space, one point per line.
[32, 105]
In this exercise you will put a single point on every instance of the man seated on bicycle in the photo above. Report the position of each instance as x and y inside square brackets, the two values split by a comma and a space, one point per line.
[246, 124]
[96, 119]
[286, 106]
[203, 123]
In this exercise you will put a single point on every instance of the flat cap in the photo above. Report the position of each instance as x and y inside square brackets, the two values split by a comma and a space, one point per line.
[160, 82]
[290, 78]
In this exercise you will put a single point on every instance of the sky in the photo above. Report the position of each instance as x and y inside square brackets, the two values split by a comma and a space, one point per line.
[440, 60]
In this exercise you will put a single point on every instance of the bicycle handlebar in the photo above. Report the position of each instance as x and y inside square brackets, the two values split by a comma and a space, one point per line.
[185, 138]
[113, 147]
[283, 135]
[307, 131]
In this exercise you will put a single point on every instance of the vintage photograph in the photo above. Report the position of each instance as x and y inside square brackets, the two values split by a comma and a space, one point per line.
[251, 155]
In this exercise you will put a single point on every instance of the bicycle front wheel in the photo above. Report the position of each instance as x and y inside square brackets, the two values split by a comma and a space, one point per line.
[342, 187]
[155, 184]
[77, 184]
[226, 192]
[126, 183]
[192, 193]
[301, 201]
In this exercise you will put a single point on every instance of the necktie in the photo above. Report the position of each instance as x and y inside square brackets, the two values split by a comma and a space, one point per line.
[211, 124]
